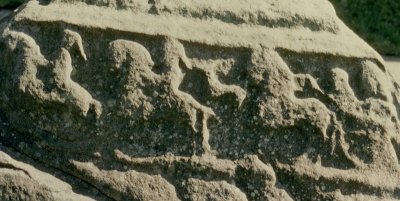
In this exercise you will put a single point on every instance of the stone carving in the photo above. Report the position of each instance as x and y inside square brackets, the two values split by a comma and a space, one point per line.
[228, 103]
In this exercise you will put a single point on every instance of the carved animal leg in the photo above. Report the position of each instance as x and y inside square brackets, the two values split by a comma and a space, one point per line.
[175, 56]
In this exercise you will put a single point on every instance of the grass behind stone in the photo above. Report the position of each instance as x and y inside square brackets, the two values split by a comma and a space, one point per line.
[377, 22]
[10, 3]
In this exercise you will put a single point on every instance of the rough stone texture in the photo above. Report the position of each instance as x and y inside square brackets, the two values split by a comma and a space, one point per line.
[196, 100]
[20, 181]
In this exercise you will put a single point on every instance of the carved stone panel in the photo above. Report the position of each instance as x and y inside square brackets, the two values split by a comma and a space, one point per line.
[200, 100]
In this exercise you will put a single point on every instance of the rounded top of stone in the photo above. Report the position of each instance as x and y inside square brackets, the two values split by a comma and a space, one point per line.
[298, 25]
[314, 15]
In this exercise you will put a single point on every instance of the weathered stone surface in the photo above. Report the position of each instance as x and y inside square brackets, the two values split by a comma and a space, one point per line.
[200, 100]
[20, 181]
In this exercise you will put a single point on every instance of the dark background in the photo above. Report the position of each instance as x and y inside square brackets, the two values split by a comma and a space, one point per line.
[10, 3]
[376, 21]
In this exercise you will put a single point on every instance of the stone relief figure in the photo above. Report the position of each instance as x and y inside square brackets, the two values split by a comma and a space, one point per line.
[133, 62]
[208, 101]
[135, 65]
[62, 75]
[60, 88]
[174, 59]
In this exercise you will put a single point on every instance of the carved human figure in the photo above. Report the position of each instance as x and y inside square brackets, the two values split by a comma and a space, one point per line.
[134, 63]
[174, 59]
[62, 75]
[62, 88]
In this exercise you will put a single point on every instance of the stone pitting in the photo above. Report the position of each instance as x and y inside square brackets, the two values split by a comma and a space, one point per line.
[190, 100]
